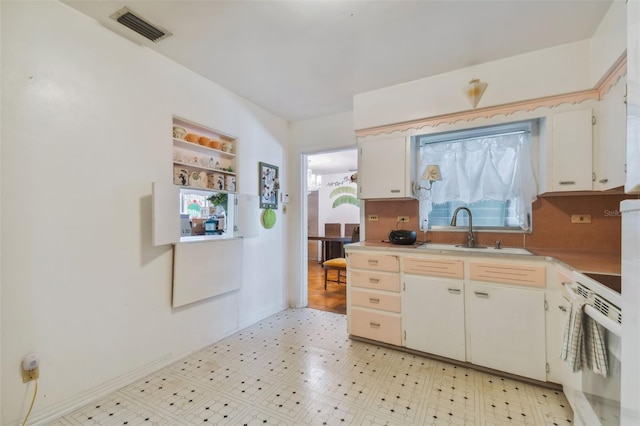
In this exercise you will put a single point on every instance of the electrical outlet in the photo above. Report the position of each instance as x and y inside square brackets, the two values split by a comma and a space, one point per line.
[403, 218]
[373, 217]
[580, 218]
[28, 376]
[30, 367]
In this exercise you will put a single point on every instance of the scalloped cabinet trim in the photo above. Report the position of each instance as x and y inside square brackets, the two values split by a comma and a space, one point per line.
[616, 72]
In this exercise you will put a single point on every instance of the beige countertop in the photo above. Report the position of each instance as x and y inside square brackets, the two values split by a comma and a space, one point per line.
[580, 260]
[584, 261]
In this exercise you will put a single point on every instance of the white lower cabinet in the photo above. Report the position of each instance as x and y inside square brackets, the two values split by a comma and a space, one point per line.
[373, 292]
[376, 325]
[433, 315]
[506, 329]
[490, 312]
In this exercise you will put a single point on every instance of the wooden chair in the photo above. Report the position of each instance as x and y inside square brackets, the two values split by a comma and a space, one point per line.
[332, 230]
[339, 264]
[349, 228]
[332, 249]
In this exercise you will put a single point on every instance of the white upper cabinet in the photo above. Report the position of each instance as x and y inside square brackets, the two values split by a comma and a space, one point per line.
[384, 168]
[571, 151]
[610, 142]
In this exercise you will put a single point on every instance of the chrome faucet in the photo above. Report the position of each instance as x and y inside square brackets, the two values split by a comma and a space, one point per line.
[470, 241]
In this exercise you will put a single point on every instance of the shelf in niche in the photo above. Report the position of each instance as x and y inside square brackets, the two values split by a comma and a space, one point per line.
[206, 191]
[201, 149]
[203, 130]
[207, 169]
[199, 238]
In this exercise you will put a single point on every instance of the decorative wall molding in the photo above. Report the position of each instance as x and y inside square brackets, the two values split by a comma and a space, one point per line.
[602, 87]
[616, 72]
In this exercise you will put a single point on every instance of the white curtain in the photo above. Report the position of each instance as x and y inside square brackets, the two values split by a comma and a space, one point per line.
[488, 168]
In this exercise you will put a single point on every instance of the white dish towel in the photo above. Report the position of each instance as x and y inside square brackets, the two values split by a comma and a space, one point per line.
[572, 343]
[595, 346]
[584, 342]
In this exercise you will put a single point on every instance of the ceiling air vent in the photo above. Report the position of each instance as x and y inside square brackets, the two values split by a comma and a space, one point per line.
[131, 20]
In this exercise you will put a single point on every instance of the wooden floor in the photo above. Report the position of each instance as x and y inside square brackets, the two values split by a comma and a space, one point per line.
[333, 299]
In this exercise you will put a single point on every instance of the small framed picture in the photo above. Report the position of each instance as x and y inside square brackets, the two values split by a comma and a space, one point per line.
[269, 186]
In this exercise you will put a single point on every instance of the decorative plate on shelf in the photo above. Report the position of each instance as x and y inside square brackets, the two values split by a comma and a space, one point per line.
[180, 176]
[198, 179]
[268, 218]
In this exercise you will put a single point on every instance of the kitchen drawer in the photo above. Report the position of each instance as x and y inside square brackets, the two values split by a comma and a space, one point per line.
[449, 268]
[379, 326]
[374, 262]
[376, 300]
[505, 273]
[377, 280]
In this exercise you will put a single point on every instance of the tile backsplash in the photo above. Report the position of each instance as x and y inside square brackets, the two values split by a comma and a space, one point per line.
[552, 227]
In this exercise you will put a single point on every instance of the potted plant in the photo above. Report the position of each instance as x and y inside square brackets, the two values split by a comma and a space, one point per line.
[219, 201]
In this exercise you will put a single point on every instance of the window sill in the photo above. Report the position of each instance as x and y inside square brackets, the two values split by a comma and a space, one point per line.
[493, 229]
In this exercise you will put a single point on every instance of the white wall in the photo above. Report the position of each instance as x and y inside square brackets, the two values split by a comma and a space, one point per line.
[328, 133]
[345, 213]
[1, 273]
[556, 70]
[86, 120]
[609, 41]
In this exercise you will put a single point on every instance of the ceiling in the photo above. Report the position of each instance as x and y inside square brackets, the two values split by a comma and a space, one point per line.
[329, 163]
[305, 59]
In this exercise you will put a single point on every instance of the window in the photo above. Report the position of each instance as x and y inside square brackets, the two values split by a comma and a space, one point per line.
[488, 170]
[217, 209]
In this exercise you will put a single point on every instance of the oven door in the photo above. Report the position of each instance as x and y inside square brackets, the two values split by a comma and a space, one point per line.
[595, 400]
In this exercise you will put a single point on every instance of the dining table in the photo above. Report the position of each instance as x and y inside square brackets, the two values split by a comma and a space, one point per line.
[332, 247]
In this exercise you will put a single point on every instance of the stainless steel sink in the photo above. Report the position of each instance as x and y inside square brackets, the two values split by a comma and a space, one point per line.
[465, 248]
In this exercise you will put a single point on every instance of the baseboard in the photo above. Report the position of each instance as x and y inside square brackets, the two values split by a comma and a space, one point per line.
[49, 414]
[260, 315]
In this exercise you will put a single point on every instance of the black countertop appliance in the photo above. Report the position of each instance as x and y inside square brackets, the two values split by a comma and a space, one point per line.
[402, 237]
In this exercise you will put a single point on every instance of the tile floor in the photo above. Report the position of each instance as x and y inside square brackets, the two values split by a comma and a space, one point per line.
[298, 367]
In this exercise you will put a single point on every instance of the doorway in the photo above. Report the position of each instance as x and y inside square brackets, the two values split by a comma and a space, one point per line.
[331, 203]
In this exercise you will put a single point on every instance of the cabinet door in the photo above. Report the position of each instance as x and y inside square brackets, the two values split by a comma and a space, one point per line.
[383, 168]
[165, 213]
[506, 329]
[610, 144]
[572, 151]
[248, 212]
[433, 315]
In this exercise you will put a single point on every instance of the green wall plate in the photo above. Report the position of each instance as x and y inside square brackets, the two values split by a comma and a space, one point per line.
[268, 218]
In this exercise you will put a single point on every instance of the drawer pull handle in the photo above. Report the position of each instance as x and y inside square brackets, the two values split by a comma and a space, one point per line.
[562, 308]
[567, 182]
[374, 324]
[395, 191]
[374, 280]
[482, 294]
[374, 300]
[454, 290]
[603, 180]
[373, 262]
